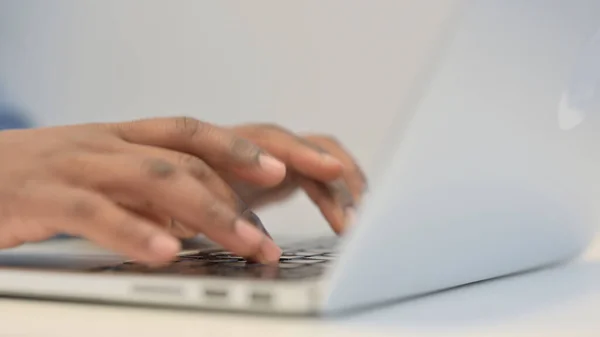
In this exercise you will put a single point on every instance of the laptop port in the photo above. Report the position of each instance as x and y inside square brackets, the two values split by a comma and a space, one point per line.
[261, 298]
[216, 294]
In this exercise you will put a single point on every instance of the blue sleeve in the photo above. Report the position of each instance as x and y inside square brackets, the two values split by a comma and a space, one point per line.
[11, 117]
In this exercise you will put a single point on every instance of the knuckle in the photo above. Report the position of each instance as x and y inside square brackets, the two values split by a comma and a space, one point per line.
[158, 168]
[276, 130]
[188, 127]
[265, 131]
[196, 166]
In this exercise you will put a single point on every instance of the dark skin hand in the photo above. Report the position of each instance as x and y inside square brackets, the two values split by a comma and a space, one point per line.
[134, 187]
[317, 164]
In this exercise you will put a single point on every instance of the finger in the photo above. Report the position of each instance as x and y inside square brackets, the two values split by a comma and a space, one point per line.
[294, 151]
[352, 175]
[255, 220]
[219, 147]
[148, 211]
[92, 216]
[197, 168]
[173, 191]
[341, 194]
[321, 197]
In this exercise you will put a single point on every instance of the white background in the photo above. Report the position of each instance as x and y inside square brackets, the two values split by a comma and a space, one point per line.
[339, 67]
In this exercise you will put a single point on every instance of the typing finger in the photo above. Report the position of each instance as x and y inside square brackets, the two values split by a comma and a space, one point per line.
[175, 192]
[352, 176]
[219, 147]
[298, 154]
[320, 194]
[58, 208]
[197, 168]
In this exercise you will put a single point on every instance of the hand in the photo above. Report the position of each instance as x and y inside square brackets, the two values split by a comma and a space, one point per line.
[120, 185]
[317, 164]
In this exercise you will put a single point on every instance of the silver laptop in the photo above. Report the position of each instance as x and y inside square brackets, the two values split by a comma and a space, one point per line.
[495, 173]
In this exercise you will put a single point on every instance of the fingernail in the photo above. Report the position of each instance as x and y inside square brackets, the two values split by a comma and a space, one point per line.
[350, 215]
[269, 252]
[248, 233]
[164, 247]
[271, 164]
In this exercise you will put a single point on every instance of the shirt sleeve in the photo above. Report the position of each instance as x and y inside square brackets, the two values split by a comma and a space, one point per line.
[12, 117]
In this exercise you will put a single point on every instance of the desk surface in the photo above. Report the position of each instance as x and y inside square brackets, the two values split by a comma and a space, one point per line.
[559, 301]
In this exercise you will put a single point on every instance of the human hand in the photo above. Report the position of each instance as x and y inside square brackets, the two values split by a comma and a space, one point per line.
[317, 164]
[120, 185]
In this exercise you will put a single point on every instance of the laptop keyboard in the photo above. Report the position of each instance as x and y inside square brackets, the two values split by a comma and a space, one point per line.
[302, 261]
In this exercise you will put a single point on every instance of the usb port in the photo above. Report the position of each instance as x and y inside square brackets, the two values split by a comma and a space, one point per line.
[215, 293]
[262, 298]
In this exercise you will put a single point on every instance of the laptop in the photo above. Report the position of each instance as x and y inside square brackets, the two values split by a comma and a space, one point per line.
[495, 173]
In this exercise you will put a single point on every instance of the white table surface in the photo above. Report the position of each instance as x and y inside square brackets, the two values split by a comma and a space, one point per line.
[562, 301]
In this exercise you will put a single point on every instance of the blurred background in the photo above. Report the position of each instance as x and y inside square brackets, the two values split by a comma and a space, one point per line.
[339, 66]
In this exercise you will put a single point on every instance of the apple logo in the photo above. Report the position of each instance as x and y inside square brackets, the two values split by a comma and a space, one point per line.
[583, 92]
[568, 116]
